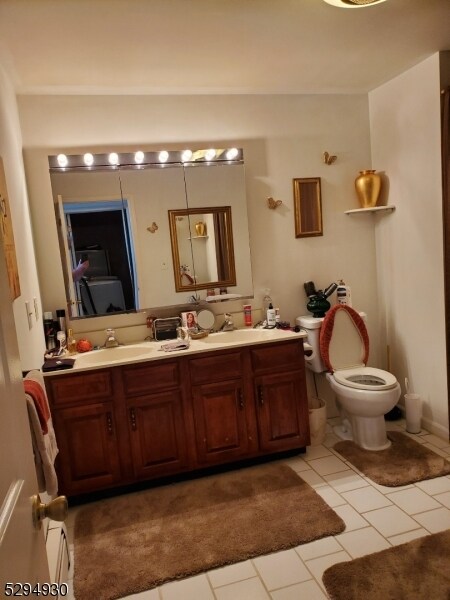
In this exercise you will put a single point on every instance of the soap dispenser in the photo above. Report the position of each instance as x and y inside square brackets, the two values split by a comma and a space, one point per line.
[271, 316]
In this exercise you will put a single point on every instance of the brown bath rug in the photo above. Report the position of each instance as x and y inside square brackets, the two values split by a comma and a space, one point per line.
[129, 544]
[405, 461]
[417, 570]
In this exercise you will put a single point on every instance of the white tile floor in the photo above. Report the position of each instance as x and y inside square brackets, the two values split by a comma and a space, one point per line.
[376, 517]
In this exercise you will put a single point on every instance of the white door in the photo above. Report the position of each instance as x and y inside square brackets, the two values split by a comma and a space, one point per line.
[23, 556]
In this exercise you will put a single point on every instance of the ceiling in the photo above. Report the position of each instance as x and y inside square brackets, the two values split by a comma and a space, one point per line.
[214, 46]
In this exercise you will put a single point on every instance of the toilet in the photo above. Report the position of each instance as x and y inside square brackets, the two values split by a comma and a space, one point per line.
[339, 345]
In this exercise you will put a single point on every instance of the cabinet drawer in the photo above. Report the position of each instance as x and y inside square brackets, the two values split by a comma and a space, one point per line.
[93, 385]
[150, 377]
[217, 367]
[284, 356]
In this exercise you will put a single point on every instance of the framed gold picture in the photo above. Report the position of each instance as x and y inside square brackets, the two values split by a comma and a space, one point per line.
[308, 207]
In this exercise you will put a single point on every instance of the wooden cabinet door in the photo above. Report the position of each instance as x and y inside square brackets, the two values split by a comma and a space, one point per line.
[88, 456]
[157, 433]
[282, 411]
[220, 421]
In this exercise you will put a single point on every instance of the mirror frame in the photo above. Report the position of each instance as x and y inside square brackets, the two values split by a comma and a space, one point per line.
[173, 215]
[307, 207]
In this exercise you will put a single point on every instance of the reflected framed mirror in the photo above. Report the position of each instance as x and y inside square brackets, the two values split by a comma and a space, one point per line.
[202, 248]
[307, 207]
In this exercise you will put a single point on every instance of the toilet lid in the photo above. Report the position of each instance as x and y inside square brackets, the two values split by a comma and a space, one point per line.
[344, 342]
[366, 378]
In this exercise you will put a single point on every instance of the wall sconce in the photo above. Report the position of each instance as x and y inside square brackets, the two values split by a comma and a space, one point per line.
[328, 159]
[271, 203]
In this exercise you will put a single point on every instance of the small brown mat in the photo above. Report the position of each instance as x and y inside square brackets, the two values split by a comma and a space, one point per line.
[405, 461]
[132, 543]
[417, 570]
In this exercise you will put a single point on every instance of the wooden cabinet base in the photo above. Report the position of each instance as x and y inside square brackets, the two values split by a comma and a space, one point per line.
[147, 421]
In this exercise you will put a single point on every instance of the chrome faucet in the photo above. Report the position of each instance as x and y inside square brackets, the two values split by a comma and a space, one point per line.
[111, 340]
[228, 324]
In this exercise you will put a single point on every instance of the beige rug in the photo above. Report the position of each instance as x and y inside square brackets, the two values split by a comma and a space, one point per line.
[418, 570]
[132, 543]
[406, 461]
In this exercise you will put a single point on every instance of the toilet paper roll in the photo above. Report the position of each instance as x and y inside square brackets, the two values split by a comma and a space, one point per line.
[413, 408]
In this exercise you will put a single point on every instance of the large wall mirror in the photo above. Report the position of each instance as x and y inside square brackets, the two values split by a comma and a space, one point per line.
[115, 218]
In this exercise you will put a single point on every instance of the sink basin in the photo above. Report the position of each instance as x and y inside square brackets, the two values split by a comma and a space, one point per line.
[246, 336]
[113, 355]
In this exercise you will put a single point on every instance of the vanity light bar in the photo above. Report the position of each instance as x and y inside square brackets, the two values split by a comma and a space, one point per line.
[140, 159]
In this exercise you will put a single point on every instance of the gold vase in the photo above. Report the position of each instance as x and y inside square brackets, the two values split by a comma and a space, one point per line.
[368, 186]
[200, 228]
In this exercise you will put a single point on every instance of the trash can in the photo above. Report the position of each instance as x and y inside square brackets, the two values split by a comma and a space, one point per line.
[317, 420]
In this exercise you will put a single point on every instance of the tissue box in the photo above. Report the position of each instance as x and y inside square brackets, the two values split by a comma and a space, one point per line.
[189, 319]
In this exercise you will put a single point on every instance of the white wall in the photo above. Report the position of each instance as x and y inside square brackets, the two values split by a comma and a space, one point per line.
[283, 137]
[31, 341]
[405, 139]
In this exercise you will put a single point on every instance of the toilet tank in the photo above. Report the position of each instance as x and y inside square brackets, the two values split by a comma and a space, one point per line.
[312, 327]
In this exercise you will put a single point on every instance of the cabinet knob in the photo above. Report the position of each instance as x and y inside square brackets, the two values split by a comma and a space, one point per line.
[133, 419]
[241, 399]
[109, 423]
[260, 395]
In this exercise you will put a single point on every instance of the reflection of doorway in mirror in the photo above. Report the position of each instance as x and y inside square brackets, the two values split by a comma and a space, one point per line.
[101, 234]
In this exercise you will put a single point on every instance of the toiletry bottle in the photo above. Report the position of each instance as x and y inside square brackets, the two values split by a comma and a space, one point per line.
[277, 316]
[248, 315]
[343, 293]
[62, 344]
[61, 318]
[271, 320]
[49, 331]
[71, 343]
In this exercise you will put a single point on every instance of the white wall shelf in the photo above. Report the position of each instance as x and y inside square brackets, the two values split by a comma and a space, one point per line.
[367, 210]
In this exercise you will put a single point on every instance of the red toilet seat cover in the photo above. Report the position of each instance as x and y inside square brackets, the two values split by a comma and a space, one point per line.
[326, 333]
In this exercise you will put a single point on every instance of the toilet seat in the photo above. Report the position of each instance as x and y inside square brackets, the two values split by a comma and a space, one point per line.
[344, 346]
[344, 341]
[366, 378]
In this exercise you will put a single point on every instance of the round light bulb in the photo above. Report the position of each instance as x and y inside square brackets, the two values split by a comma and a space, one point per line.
[186, 155]
[113, 158]
[232, 153]
[210, 154]
[163, 156]
[139, 157]
[62, 160]
[88, 159]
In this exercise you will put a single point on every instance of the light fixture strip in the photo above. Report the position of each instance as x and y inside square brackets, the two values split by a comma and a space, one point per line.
[141, 159]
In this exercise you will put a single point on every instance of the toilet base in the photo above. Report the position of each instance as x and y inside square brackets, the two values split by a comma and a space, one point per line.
[344, 429]
[370, 433]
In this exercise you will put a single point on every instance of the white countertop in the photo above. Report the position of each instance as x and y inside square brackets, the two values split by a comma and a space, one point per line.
[146, 351]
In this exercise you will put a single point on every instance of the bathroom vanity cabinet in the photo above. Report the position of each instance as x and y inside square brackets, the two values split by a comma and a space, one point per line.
[140, 421]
